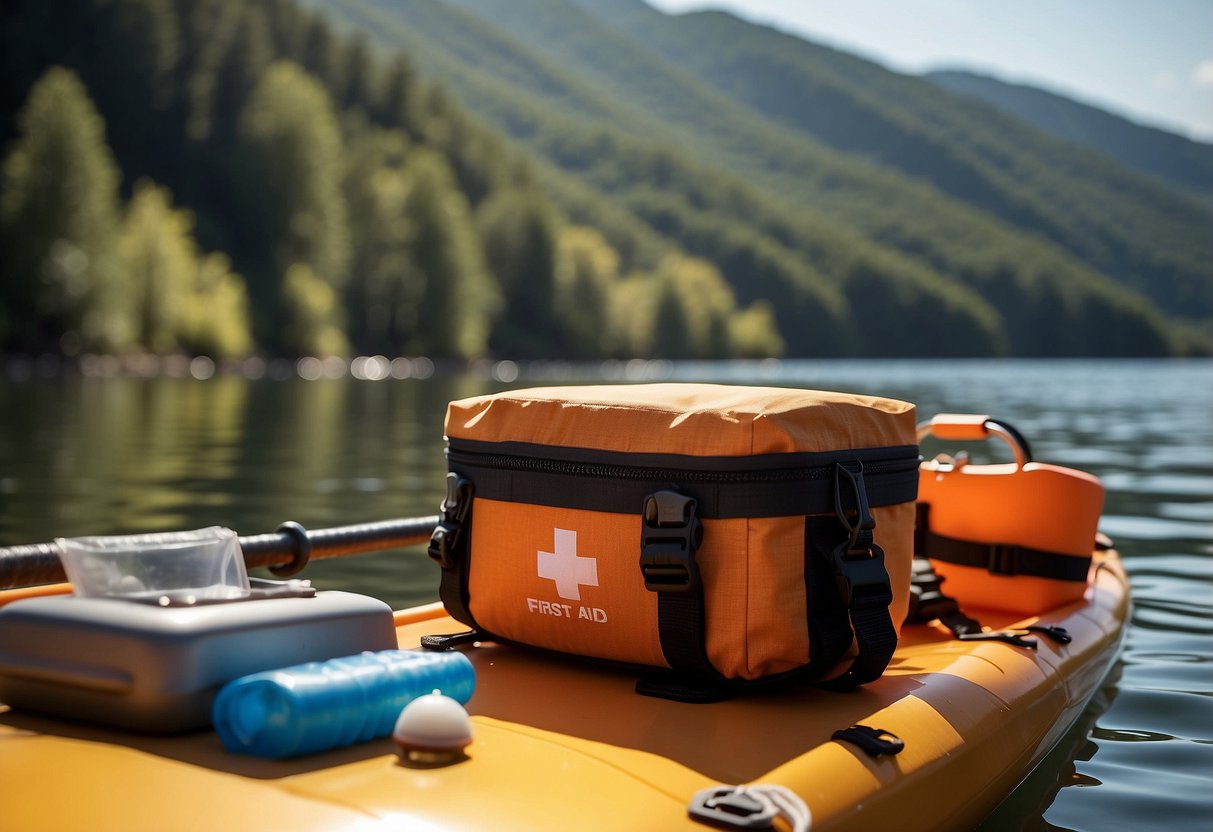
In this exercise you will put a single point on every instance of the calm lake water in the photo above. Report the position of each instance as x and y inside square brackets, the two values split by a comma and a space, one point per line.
[100, 455]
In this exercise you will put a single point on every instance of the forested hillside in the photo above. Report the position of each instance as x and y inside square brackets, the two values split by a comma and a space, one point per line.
[1182, 163]
[839, 161]
[546, 178]
[228, 177]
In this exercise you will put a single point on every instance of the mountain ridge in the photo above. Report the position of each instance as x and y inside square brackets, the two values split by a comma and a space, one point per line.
[840, 194]
[969, 153]
[1179, 161]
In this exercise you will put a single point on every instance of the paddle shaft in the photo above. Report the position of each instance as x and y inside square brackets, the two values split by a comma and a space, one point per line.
[286, 550]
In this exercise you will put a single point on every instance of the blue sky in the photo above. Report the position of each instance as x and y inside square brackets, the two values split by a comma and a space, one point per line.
[1148, 60]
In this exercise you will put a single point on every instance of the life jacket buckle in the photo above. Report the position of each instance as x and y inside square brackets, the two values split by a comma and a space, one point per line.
[1003, 560]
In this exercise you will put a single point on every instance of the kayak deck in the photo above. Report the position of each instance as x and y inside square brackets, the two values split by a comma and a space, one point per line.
[560, 743]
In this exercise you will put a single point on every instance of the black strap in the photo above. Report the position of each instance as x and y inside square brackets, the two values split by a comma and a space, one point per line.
[854, 565]
[998, 558]
[862, 580]
[679, 688]
[441, 642]
[683, 633]
[830, 632]
[449, 547]
[876, 641]
[670, 534]
[928, 602]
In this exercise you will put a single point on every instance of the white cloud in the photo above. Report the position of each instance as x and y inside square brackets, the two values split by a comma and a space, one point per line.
[1202, 76]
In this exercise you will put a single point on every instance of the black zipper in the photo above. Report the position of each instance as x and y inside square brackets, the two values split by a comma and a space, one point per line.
[620, 471]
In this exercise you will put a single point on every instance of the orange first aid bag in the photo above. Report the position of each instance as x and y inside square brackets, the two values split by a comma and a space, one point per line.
[728, 533]
[1014, 536]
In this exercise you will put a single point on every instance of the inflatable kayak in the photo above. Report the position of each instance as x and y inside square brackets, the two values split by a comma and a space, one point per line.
[110, 700]
[559, 744]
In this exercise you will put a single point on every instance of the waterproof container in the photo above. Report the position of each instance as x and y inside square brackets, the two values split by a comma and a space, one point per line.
[322, 705]
[157, 669]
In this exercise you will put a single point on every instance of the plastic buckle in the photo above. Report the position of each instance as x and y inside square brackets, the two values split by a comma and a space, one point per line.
[859, 568]
[862, 578]
[859, 531]
[730, 806]
[670, 534]
[1003, 559]
[756, 806]
[441, 543]
[455, 509]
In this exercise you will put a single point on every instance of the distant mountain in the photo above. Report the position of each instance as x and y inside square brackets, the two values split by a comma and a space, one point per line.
[872, 209]
[1180, 162]
[996, 164]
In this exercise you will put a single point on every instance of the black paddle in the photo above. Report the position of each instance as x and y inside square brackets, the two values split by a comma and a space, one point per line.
[285, 551]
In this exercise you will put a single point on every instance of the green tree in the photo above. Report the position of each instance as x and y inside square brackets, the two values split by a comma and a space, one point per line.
[322, 53]
[312, 314]
[587, 273]
[630, 316]
[294, 162]
[59, 217]
[401, 98]
[519, 236]
[683, 310]
[384, 293]
[673, 334]
[945, 318]
[130, 65]
[697, 315]
[459, 297]
[158, 257]
[180, 299]
[360, 79]
[753, 332]
[248, 53]
[215, 318]
[209, 28]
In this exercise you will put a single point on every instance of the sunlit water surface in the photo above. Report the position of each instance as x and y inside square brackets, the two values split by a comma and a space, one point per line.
[89, 455]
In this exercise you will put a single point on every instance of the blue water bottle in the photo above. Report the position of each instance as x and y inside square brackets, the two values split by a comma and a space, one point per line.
[321, 705]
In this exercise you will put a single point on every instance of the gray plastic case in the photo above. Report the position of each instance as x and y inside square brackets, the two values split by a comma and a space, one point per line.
[157, 669]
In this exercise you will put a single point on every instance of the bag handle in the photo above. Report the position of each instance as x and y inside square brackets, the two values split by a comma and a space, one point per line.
[970, 427]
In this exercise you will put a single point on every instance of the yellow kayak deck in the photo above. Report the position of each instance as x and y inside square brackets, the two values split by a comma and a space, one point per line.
[562, 744]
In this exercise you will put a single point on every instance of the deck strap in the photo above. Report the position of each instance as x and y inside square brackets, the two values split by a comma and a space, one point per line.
[998, 558]
[846, 582]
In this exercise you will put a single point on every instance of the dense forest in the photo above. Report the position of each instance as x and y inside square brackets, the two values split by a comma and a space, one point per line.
[221, 177]
[546, 179]
[794, 165]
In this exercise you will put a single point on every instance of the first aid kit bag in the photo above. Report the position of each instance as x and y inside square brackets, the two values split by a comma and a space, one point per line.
[732, 534]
